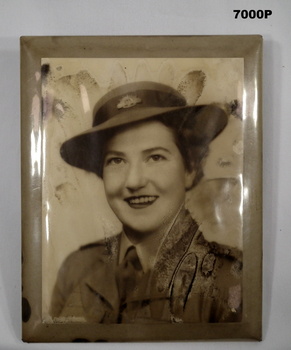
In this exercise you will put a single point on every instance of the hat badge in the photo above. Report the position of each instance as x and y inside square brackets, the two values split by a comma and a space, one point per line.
[128, 101]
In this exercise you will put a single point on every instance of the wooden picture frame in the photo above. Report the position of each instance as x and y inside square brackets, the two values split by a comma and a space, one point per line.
[64, 207]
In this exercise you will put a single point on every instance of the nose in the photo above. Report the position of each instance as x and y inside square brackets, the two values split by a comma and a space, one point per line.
[136, 177]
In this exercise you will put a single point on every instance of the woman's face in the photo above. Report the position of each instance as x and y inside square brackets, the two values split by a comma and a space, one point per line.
[145, 177]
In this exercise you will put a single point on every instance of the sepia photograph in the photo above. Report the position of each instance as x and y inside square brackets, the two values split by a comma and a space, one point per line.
[142, 174]
[147, 149]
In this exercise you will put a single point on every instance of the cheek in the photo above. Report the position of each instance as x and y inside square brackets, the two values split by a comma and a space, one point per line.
[172, 179]
[112, 185]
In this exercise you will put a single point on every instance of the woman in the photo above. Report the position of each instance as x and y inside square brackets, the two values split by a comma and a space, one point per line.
[148, 146]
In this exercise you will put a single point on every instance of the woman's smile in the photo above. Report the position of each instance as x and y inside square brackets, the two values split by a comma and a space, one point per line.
[145, 177]
[140, 202]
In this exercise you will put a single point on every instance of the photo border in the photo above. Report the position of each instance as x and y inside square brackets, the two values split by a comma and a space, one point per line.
[33, 49]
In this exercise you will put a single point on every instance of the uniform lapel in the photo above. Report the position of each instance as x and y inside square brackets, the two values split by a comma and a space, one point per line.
[175, 269]
[173, 249]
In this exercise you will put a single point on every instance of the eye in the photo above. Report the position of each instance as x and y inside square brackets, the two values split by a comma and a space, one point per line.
[156, 157]
[114, 161]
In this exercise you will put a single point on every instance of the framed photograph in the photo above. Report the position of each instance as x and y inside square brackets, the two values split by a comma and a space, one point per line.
[141, 188]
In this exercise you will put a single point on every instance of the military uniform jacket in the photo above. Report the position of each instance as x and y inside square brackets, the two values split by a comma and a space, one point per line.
[192, 281]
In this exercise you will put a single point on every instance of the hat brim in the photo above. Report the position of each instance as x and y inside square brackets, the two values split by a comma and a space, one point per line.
[84, 150]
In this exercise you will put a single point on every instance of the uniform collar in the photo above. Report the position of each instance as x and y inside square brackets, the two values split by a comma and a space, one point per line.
[148, 249]
[160, 262]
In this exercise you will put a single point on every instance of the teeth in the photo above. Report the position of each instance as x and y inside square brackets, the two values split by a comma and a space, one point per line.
[142, 200]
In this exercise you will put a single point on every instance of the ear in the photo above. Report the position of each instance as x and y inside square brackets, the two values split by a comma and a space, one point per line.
[189, 179]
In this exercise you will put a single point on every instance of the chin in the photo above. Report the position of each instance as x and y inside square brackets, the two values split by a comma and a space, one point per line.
[142, 229]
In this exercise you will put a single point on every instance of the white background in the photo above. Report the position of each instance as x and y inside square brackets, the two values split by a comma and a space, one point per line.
[154, 17]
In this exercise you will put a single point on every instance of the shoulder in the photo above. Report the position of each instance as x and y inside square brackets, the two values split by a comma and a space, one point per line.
[220, 263]
[80, 262]
[219, 250]
[77, 266]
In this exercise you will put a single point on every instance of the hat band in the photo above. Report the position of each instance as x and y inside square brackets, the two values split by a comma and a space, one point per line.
[137, 101]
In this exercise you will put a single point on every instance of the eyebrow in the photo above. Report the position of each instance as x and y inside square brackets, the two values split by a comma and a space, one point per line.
[114, 153]
[146, 151]
[156, 149]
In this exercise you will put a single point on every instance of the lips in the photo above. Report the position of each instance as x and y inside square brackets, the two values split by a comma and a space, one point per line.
[139, 202]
